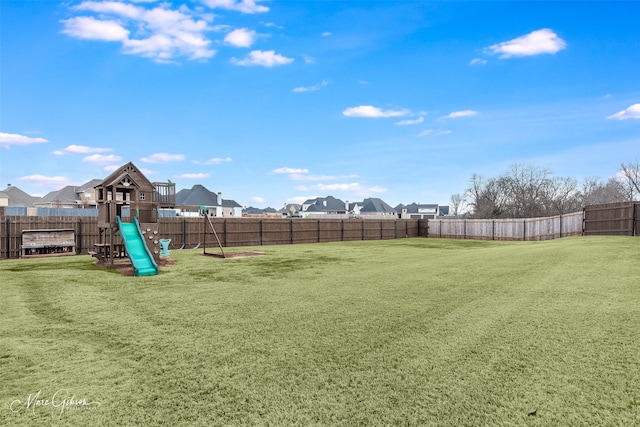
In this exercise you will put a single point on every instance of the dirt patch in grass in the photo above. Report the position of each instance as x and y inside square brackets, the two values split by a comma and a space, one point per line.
[235, 254]
[124, 267]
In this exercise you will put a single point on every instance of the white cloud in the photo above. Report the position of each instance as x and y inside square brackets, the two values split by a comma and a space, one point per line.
[100, 159]
[163, 158]
[112, 168]
[353, 187]
[373, 112]
[263, 58]
[214, 161]
[240, 37]
[434, 132]
[112, 7]
[458, 114]
[410, 122]
[305, 177]
[343, 187]
[633, 112]
[9, 139]
[81, 149]
[313, 88]
[298, 200]
[257, 199]
[194, 175]
[243, 6]
[272, 25]
[535, 43]
[300, 188]
[309, 59]
[326, 34]
[87, 27]
[290, 170]
[478, 61]
[49, 181]
[157, 32]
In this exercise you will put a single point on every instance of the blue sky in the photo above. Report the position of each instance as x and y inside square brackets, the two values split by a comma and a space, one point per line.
[272, 102]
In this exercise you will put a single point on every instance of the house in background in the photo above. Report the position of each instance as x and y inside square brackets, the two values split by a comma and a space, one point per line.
[189, 201]
[372, 207]
[323, 206]
[15, 197]
[421, 211]
[71, 196]
[268, 212]
[377, 207]
[290, 210]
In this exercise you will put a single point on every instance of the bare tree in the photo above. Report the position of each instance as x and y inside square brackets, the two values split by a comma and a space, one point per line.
[486, 198]
[457, 204]
[562, 196]
[526, 186]
[595, 191]
[527, 191]
[630, 179]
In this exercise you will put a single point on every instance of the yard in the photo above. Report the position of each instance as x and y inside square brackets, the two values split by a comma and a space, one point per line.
[396, 332]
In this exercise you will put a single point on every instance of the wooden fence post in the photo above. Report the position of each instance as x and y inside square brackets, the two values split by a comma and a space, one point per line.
[8, 232]
[184, 232]
[561, 226]
[79, 237]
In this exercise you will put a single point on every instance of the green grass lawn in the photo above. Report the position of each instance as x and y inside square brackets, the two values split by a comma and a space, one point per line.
[398, 332]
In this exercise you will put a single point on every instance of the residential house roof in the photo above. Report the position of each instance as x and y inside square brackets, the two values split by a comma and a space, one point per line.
[89, 184]
[253, 211]
[198, 195]
[325, 204]
[228, 203]
[375, 205]
[66, 195]
[17, 197]
[415, 208]
[257, 211]
[290, 208]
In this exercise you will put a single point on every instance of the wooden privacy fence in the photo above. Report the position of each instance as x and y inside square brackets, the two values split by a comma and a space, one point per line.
[507, 229]
[612, 219]
[193, 232]
[11, 228]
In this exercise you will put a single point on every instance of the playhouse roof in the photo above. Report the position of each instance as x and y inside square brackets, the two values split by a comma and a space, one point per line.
[130, 171]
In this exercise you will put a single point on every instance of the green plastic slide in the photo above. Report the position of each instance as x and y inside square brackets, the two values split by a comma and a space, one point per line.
[136, 247]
